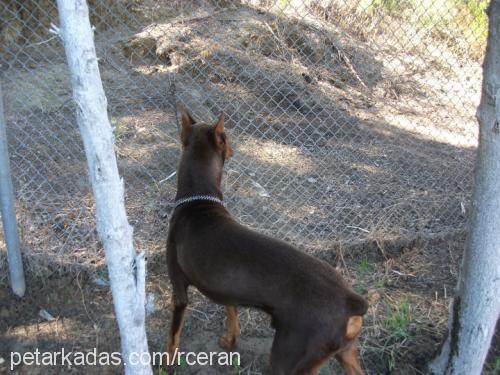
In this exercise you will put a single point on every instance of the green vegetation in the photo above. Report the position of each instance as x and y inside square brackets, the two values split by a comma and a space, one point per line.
[237, 367]
[119, 128]
[461, 25]
[478, 20]
[363, 275]
[496, 367]
[365, 267]
[283, 3]
[381, 283]
[391, 6]
[398, 320]
[397, 323]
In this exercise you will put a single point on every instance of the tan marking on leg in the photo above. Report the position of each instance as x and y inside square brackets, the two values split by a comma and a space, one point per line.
[175, 334]
[348, 359]
[353, 327]
[348, 356]
[228, 340]
[174, 340]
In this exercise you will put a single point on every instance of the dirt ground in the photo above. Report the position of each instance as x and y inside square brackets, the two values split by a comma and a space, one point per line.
[357, 147]
[408, 288]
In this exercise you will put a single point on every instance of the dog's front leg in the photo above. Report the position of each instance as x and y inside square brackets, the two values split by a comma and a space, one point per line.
[179, 303]
[179, 309]
[228, 340]
[176, 327]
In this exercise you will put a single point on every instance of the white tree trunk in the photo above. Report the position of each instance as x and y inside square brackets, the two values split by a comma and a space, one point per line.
[126, 270]
[476, 306]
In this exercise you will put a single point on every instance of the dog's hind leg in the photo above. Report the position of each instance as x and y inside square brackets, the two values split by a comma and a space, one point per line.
[348, 358]
[288, 349]
[228, 340]
[298, 352]
[312, 360]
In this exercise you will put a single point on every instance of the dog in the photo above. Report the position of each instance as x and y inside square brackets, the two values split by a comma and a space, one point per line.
[314, 312]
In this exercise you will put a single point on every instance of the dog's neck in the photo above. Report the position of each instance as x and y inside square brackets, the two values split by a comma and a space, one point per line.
[199, 176]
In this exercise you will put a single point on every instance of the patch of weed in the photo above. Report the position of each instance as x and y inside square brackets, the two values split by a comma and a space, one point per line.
[398, 320]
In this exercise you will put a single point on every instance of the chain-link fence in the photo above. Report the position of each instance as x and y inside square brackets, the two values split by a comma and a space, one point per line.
[350, 120]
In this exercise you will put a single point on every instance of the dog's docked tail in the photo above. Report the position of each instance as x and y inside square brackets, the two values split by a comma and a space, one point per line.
[356, 305]
[356, 308]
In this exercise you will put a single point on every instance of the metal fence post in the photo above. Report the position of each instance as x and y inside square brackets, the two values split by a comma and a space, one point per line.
[14, 258]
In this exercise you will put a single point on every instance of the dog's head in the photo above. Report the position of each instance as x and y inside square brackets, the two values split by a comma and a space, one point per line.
[207, 139]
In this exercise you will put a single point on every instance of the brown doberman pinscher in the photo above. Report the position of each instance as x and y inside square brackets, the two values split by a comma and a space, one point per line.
[313, 310]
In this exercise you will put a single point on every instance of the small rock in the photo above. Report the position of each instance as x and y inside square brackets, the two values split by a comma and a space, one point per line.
[44, 314]
[2, 361]
[101, 281]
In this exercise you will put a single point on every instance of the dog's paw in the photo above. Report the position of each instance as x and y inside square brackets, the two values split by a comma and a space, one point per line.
[168, 362]
[168, 368]
[227, 342]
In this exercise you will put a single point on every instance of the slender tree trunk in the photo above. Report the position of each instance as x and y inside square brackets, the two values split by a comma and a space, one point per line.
[476, 306]
[7, 208]
[126, 270]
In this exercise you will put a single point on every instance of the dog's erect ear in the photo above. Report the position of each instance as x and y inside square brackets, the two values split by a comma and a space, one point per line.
[220, 138]
[219, 127]
[187, 123]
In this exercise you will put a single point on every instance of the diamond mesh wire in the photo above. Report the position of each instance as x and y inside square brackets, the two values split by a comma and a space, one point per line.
[350, 120]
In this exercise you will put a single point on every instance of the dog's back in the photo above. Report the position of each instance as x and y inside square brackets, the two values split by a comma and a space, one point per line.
[234, 265]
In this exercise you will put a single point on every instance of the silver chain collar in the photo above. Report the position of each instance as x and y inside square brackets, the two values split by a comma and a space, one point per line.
[193, 198]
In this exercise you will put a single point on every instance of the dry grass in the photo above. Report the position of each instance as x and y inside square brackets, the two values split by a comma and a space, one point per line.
[460, 25]
[408, 288]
